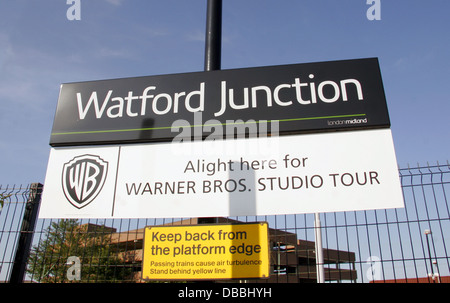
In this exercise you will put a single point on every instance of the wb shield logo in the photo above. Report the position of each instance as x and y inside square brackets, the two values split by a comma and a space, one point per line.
[83, 178]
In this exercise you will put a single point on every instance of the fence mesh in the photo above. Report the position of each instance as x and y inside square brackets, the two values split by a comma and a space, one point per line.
[375, 246]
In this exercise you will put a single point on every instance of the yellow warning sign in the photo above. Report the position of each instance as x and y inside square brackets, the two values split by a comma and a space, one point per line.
[193, 252]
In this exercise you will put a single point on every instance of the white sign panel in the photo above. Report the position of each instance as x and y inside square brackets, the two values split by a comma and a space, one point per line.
[342, 171]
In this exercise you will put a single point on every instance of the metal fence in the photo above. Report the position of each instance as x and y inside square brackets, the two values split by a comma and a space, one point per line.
[393, 245]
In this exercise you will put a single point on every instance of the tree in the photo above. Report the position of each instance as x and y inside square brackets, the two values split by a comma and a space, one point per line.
[2, 200]
[89, 243]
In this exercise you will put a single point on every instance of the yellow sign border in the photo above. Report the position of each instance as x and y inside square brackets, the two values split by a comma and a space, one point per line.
[222, 251]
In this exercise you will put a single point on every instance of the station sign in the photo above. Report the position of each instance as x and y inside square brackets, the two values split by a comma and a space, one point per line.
[326, 172]
[308, 97]
[205, 252]
[290, 139]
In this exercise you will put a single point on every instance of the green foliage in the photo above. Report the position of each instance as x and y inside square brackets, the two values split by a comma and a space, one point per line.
[2, 199]
[66, 238]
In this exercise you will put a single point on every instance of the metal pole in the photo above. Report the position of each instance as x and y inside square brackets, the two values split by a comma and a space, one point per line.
[26, 234]
[433, 275]
[319, 249]
[213, 41]
[427, 232]
[213, 47]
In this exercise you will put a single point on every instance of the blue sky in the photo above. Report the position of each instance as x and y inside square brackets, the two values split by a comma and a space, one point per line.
[41, 49]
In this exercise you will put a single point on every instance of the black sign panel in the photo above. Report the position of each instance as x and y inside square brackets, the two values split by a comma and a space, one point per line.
[311, 97]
